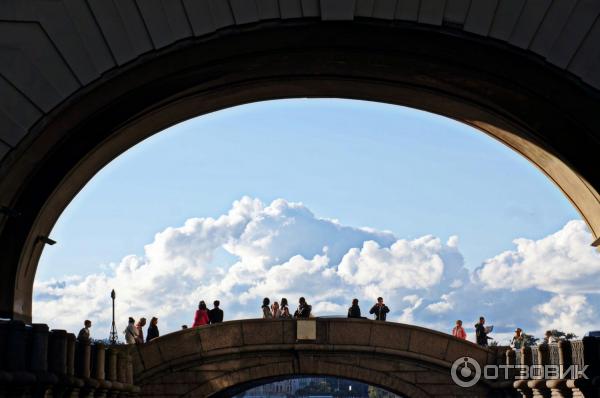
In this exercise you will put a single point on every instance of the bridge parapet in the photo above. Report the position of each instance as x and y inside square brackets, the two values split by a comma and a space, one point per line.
[334, 335]
[566, 369]
[219, 360]
[36, 361]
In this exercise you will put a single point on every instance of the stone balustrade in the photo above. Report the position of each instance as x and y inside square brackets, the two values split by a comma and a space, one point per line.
[563, 379]
[36, 361]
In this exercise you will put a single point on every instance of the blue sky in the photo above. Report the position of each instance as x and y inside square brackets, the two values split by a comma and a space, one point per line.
[331, 199]
[365, 164]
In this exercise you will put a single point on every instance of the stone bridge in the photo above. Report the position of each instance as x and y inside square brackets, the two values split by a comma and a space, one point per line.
[222, 360]
[219, 360]
[83, 81]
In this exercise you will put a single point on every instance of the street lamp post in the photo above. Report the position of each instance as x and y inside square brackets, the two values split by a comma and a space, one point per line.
[113, 329]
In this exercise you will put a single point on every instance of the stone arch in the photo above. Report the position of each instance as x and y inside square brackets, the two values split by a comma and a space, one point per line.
[84, 81]
[235, 382]
[220, 359]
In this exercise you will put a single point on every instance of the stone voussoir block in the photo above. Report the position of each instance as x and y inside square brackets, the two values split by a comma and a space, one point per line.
[349, 332]
[389, 336]
[179, 345]
[428, 343]
[221, 336]
[262, 332]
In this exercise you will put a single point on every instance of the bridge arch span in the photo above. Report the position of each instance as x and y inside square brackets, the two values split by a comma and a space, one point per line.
[220, 359]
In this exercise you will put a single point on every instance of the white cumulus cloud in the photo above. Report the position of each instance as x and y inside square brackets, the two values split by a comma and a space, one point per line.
[560, 263]
[282, 249]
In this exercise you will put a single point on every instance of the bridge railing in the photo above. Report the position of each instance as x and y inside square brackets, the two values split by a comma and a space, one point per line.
[563, 369]
[41, 362]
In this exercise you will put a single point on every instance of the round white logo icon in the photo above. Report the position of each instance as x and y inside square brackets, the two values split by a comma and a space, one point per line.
[465, 372]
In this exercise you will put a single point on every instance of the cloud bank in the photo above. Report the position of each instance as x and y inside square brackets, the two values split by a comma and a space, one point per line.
[282, 249]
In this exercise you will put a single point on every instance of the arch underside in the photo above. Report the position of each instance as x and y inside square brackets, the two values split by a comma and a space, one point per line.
[225, 378]
[541, 100]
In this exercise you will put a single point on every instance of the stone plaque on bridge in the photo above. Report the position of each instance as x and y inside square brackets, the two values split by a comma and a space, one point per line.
[306, 329]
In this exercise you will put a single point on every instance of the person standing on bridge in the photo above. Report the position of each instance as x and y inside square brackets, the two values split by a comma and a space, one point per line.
[152, 329]
[130, 332]
[201, 316]
[481, 333]
[285, 310]
[266, 310]
[518, 341]
[216, 314]
[380, 310]
[304, 309]
[459, 331]
[84, 333]
[140, 331]
[354, 311]
[275, 310]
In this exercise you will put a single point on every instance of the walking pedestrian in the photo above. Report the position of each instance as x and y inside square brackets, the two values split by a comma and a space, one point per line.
[459, 331]
[354, 310]
[152, 329]
[216, 314]
[380, 310]
[140, 335]
[266, 310]
[201, 316]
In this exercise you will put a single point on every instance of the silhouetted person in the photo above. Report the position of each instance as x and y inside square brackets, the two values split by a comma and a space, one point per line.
[183, 327]
[201, 316]
[131, 332]
[216, 314]
[266, 310]
[140, 331]
[152, 329]
[84, 333]
[284, 309]
[354, 310]
[380, 310]
[480, 333]
[303, 311]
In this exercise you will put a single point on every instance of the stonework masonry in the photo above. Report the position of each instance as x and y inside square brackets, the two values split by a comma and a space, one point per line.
[223, 359]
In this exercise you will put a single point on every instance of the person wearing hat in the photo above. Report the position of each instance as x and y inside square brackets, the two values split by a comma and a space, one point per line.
[518, 340]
